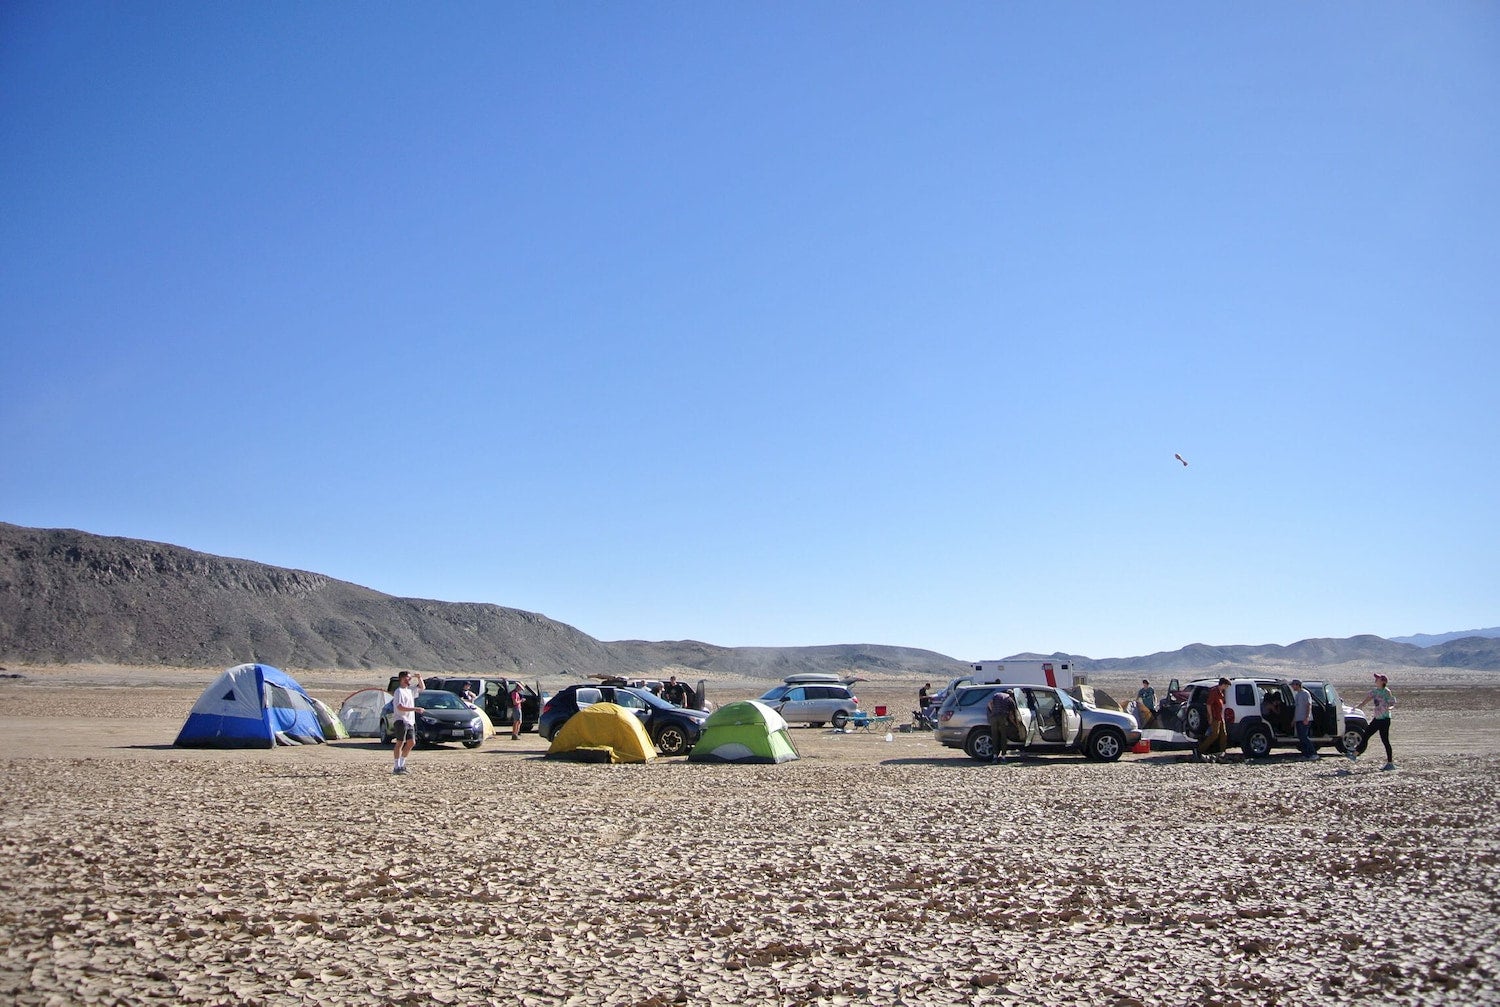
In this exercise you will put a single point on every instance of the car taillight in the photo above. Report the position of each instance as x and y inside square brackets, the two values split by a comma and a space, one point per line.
[945, 716]
[855, 698]
[547, 706]
[1228, 717]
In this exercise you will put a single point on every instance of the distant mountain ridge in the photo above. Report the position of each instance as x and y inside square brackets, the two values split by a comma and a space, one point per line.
[1432, 640]
[70, 597]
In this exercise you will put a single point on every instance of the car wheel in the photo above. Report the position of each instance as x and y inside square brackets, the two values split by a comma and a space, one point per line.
[1351, 739]
[1257, 743]
[1106, 745]
[840, 719]
[385, 736]
[672, 740]
[1195, 718]
[979, 745]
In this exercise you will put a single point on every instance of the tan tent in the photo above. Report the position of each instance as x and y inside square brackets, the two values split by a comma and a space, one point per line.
[602, 732]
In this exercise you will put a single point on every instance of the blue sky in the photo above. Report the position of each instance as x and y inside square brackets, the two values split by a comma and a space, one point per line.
[778, 323]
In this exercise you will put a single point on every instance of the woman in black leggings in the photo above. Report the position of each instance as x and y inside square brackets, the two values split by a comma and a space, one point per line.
[1383, 702]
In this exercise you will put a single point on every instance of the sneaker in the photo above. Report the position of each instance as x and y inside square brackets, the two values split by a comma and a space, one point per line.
[1389, 765]
[397, 771]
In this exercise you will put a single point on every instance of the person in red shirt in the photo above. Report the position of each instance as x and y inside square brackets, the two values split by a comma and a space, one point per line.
[1217, 738]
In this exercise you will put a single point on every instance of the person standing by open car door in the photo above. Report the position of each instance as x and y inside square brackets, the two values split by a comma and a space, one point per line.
[1001, 713]
[1217, 738]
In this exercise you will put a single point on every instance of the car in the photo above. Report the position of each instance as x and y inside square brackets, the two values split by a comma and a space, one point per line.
[444, 718]
[493, 696]
[672, 729]
[1258, 714]
[814, 699]
[1054, 721]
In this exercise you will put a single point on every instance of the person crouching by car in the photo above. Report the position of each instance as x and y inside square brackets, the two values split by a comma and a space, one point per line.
[1217, 738]
[1001, 713]
[404, 701]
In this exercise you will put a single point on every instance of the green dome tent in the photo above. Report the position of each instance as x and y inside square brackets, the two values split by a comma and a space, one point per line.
[745, 732]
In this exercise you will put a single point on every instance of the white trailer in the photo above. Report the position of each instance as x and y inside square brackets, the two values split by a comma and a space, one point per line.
[1058, 674]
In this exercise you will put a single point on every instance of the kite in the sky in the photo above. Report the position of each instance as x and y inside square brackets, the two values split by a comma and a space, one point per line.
[1181, 459]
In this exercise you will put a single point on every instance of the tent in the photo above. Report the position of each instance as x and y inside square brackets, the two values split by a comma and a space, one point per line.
[360, 712]
[252, 706]
[329, 721]
[602, 732]
[748, 731]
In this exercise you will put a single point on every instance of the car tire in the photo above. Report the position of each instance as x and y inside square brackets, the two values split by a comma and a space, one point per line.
[840, 719]
[1194, 722]
[979, 745]
[672, 740]
[1257, 743]
[1351, 739]
[1106, 744]
[385, 736]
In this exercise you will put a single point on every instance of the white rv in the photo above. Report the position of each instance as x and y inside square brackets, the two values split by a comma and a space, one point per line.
[1058, 674]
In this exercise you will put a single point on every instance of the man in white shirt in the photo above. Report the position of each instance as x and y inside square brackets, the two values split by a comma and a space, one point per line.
[404, 700]
[1302, 718]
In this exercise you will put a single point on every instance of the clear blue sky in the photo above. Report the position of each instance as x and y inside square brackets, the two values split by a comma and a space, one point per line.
[774, 323]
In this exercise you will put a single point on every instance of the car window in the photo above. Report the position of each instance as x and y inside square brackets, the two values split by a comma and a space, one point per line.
[971, 696]
[435, 700]
[1244, 694]
[796, 695]
[628, 700]
[1068, 702]
[586, 697]
[774, 694]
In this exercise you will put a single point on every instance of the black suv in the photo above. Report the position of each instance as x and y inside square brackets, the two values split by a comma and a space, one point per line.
[672, 729]
[494, 697]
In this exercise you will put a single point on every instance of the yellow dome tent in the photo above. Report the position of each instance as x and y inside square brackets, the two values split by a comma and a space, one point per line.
[602, 732]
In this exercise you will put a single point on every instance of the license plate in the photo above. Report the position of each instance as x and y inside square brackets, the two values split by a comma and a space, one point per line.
[457, 734]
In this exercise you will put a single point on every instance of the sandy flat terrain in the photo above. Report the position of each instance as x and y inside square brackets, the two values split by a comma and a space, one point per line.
[869, 872]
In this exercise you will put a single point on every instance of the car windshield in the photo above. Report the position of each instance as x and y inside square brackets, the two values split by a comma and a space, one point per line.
[432, 699]
[775, 694]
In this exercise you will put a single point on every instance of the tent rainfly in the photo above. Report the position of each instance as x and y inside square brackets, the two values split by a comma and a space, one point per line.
[602, 732]
[745, 732]
[252, 706]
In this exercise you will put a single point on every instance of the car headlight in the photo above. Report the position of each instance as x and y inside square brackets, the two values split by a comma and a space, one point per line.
[427, 721]
[475, 725]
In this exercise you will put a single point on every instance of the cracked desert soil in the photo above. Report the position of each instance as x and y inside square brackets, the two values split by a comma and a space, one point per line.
[869, 872]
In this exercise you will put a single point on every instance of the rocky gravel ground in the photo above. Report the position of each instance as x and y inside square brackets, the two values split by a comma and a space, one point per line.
[869, 872]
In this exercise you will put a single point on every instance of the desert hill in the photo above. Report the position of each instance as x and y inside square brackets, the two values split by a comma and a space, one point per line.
[69, 597]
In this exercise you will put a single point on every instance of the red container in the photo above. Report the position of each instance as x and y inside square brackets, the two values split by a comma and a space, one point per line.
[880, 711]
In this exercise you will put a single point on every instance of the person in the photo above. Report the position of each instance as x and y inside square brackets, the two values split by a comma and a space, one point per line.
[1382, 702]
[469, 694]
[1001, 712]
[1302, 719]
[922, 697]
[404, 702]
[1217, 737]
[515, 711]
[674, 692]
[1146, 696]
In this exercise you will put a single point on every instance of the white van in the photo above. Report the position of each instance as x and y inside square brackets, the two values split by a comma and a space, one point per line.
[1058, 674]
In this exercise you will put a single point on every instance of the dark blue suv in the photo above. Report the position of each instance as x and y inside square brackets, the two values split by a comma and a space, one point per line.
[672, 729]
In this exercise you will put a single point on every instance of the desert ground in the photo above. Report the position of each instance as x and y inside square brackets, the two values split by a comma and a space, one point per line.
[871, 871]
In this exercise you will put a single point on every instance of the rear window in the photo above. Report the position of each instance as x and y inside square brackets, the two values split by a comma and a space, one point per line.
[1244, 694]
[774, 694]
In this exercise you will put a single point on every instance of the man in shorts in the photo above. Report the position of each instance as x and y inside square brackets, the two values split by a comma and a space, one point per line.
[404, 702]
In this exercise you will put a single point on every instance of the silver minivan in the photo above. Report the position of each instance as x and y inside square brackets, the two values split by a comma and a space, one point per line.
[814, 699]
[1053, 721]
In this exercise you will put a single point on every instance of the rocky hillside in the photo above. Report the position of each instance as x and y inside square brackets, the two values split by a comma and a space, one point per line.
[68, 597]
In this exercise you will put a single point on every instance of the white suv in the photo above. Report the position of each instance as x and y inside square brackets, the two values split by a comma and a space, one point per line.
[1258, 714]
[814, 699]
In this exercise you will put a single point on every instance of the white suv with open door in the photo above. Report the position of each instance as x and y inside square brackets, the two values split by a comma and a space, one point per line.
[1258, 714]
